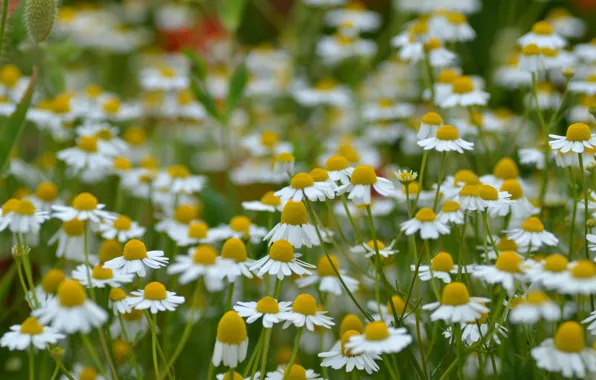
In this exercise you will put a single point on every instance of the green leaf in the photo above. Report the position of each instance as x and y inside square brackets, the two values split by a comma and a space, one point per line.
[199, 66]
[236, 87]
[204, 98]
[230, 13]
[14, 125]
[6, 282]
[216, 209]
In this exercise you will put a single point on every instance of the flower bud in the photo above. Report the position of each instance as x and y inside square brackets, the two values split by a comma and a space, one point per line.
[39, 18]
[57, 353]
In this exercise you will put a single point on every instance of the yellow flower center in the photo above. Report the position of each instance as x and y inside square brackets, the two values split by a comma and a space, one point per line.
[450, 206]
[466, 176]
[532, 224]
[537, 297]
[285, 157]
[513, 187]
[570, 337]
[105, 134]
[100, 273]
[11, 205]
[185, 97]
[345, 338]
[93, 90]
[61, 104]
[31, 326]
[432, 44]
[447, 132]
[398, 304]
[178, 171]
[204, 255]
[85, 202]
[442, 262]
[324, 267]
[376, 331]
[349, 152]
[234, 249]
[508, 261]
[231, 329]
[335, 163]
[301, 181]
[71, 293]
[371, 245]
[271, 199]
[47, 160]
[134, 315]
[240, 224]
[111, 105]
[155, 291]
[135, 136]
[281, 250]
[455, 294]
[121, 350]
[351, 322]
[237, 376]
[530, 49]
[10, 75]
[413, 188]
[426, 215]
[462, 85]
[297, 372]
[88, 373]
[149, 162]
[73, 227]
[578, 132]
[135, 250]
[52, 280]
[447, 76]
[88, 144]
[26, 207]
[268, 305]
[294, 213]
[432, 118]
[117, 294]
[305, 304]
[419, 28]
[549, 53]
[505, 244]
[122, 163]
[556, 263]
[456, 18]
[584, 269]
[488, 193]
[364, 175]
[506, 168]
[185, 214]
[543, 28]
[319, 175]
[326, 84]
[46, 191]
[122, 223]
[269, 139]
[197, 230]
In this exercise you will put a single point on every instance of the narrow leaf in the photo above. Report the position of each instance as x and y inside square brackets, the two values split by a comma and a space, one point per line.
[230, 13]
[236, 87]
[199, 66]
[204, 98]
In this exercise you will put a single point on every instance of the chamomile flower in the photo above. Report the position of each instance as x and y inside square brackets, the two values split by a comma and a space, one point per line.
[379, 339]
[566, 353]
[585, 87]
[295, 372]
[305, 313]
[231, 343]
[451, 212]
[438, 56]
[239, 227]
[495, 203]
[455, 29]
[534, 306]
[71, 240]
[579, 279]
[464, 93]
[362, 181]
[237, 262]
[446, 140]
[177, 223]
[369, 249]
[48, 287]
[281, 261]
[327, 278]
[269, 202]
[429, 125]
[343, 45]
[118, 301]
[165, 78]
[339, 357]
[548, 273]
[303, 185]
[267, 308]
[565, 24]
[542, 35]
[29, 333]
[100, 277]
[531, 59]
[26, 219]
[84, 207]
[427, 223]
[356, 14]
[108, 141]
[505, 272]
[338, 169]
[85, 156]
[294, 227]
[473, 331]
[532, 233]
[82, 372]
[265, 144]
[122, 228]
[325, 92]
[441, 266]
[134, 322]
[46, 195]
[178, 179]
[154, 297]
[456, 305]
[196, 233]
[284, 163]
[586, 51]
[135, 258]
[577, 139]
[71, 311]
[200, 262]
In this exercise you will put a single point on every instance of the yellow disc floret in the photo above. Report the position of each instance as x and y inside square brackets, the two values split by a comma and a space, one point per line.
[426, 214]
[325, 266]
[204, 255]
[301, 181]
[296, 372]
[281, 250]
[442, 262]
[455, 294]
[488, 193]
[363, 175]
[198, 230]
[109, 249]
[231, 329]
[345, 338]
[584, 269]
[117, 294]
[31, 326]
[52, 280]
[135, 250]
[506, 168]
[543, 28]
[578, 132]
[447, 133]
[270, 199]
[556, 263]
[376, 331]
[185, 213]
[155, 291]
[240, 224]
[71, 293]
[305, 304]
[26, 207]
[570, 337]
[513, 187]
[294, 213]
[101, 273]
[351, 322]
[46, 191]
[450, 206]
[88, 144]
[462, 85]
[336, 163]
[85, 202]
[508, 261]
[532, 224]
[122, 223]
[234, 249]
[267, 305]
[75, 227]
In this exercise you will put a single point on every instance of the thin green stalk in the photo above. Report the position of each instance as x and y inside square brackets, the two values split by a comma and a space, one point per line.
[438, 192]
[133, 358]
[544, 127]
[294, 353]
[586, 195]
[349, 214]
[265, 352]
[93, 354]
[55, 373]
[421, 182]
[252, 365]
[152, 324]
[31, 363]
[230, 296]
[3, 26]
[571, 252]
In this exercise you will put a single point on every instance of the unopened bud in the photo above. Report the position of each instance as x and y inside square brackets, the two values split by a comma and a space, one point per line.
[591, 223]
[568, 72]
[57, 353]
[16, 252]
[39, 18]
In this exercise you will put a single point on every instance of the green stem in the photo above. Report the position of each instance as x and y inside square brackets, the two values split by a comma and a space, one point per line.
[294, 353]
[31, 363]
[230, 296]
[349, 214]
[265, 352]
[3, 26]
[56, 371]
[421, 182]
[133, 358]
[438, 192]
[152, 325]
[586, 195]
[571, 252]
[93, 354]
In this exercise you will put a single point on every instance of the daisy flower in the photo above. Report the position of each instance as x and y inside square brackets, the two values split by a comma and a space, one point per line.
[464, 93]
[118, 301]
[451, 212]
[356, 14]
[305, 313]
[166, 78]
[237, 262]
[387, 109]
[85, 155]
[326, 277]
[294, 227]
[240, 227]
[84, 207]
[532, 233]
[441, 266]
[154, 297]
[100, 276]
[504, 169]
[81, 372]
[178, 179]
[543, 36]
[362, 180]
[566, 353]
[268, 308]
[196, 233]
[520, 207]
[284, 163]
[26, 219]
[369, 249]
[506, 270]
[535, 305]
[437, 54]
[71, 240]
[71, 311]
[429, 125]
[178, 222]
[549, 272]
[29, 333]
[200, 262]
[265, 144]
[232, 341]
[122, 228]
[134, 322]
[295, 372]
[577, 139]
[456, 305]
[269, 202]
[426, 222]
[339, 357]
[237, 376]
[531, 59]
[108, 141]
[565, 24]
[48, 287]
[302, 185]
[473, 331]
[135, 258]
[456, 28]
[338, 169]
[325, 92]
[446, 140]
[379, 339]
[281, 261]
[579, 279]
